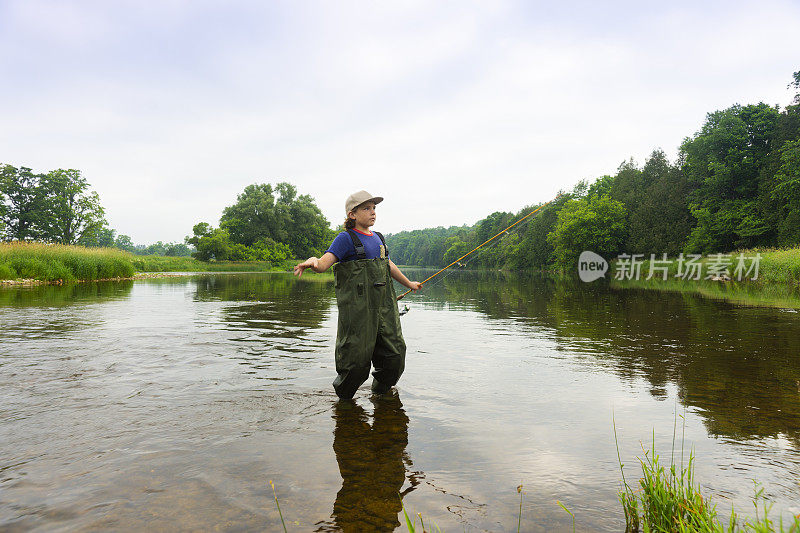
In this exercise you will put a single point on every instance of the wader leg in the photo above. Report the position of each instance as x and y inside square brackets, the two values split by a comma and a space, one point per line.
[353, 370]
[354, 346]
[389, 360]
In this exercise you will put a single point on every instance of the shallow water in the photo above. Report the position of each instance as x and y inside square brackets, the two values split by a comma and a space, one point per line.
[172, 404]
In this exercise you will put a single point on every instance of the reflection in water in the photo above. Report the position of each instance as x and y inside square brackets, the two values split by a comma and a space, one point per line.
[278, 303]
[62, 295]
[738, 365]
[270, 320]
[371, 462]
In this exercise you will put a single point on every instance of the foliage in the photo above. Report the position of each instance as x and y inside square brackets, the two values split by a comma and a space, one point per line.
[215, 244]
[595, 223]
[71, 210]
[21, 202]
[53, 207]
[724, 161]
[258, 216]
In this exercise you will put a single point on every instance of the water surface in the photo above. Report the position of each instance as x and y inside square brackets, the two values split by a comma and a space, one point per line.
[171, 404]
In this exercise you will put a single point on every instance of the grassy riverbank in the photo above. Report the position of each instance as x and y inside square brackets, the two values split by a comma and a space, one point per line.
[56, 262]
[774, 266]
[777, 283]
[52, 262]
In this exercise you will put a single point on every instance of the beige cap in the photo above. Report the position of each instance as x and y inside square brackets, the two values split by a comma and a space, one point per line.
[358, 198]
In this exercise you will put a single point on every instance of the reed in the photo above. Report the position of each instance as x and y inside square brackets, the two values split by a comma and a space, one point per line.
[66, 263]
[53, 262]
[669, 499]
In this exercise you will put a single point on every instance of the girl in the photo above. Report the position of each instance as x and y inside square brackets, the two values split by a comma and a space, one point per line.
[369, 331]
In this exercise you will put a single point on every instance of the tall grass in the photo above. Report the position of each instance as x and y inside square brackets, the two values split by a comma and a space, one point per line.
[669, 499]
[52, 262]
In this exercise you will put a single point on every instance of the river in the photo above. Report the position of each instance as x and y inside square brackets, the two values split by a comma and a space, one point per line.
[173, 404]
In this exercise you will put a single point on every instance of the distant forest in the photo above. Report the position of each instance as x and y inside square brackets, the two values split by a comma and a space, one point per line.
[735, 185]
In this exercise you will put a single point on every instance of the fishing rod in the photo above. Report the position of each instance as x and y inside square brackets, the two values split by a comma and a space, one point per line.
[481, 245]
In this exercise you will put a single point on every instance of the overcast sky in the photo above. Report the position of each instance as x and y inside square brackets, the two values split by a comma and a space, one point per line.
[450, 110]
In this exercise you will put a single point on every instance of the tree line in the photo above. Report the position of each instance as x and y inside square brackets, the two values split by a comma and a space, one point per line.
[734, 185]
[265, 223]
[59, 207]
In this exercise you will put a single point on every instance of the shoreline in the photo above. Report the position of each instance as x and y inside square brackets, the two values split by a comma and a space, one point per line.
[31, 282]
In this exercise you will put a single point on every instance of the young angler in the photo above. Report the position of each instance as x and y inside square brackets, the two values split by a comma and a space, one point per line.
[369, 324]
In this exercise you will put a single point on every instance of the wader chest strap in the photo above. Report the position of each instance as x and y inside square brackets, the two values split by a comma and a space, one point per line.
[386, 248]
[360, 253]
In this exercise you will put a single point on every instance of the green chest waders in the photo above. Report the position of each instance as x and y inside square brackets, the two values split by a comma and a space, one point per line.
[369, 331]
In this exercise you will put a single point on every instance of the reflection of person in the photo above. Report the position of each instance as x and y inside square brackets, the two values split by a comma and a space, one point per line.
[371, 464]
[369, 323]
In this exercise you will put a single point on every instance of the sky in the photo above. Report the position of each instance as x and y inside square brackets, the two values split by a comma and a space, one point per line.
[449, 110]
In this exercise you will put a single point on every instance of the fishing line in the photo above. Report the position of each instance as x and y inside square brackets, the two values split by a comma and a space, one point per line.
[480, 246]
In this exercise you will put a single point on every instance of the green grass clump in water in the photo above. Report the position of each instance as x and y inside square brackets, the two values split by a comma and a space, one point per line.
[670, 500]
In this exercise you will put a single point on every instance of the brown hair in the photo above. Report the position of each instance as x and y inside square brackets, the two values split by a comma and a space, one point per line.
[349, 223]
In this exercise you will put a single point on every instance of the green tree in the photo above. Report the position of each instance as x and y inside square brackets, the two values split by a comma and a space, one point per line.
[71, 209]
[659, 220]
[724, 161]
[253, 215]
[595, 223]
[455, 249]
[788, 191]
[288, 218]
[21, 203]
[212, 243]
[98, 236]
[124, 242]
[177, 249]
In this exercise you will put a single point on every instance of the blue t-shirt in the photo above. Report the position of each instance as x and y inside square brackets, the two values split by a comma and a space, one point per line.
[342, 246]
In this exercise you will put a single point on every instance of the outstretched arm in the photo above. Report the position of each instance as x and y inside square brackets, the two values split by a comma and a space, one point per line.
[400, 277]
[316, 264]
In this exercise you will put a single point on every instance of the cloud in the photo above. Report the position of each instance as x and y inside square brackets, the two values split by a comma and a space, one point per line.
[450, 110]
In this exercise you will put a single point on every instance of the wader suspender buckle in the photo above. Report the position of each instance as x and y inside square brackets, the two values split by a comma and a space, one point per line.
[360, 253]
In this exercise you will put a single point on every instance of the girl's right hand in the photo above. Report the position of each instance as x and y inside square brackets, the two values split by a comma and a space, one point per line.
[311, 263]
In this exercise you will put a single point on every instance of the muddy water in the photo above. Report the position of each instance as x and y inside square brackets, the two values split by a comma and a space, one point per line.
[172, 404]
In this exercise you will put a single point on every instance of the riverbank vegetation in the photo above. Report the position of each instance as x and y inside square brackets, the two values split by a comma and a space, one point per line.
[266, 224]
[66, 263]
[52, 262]
[735, 185]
